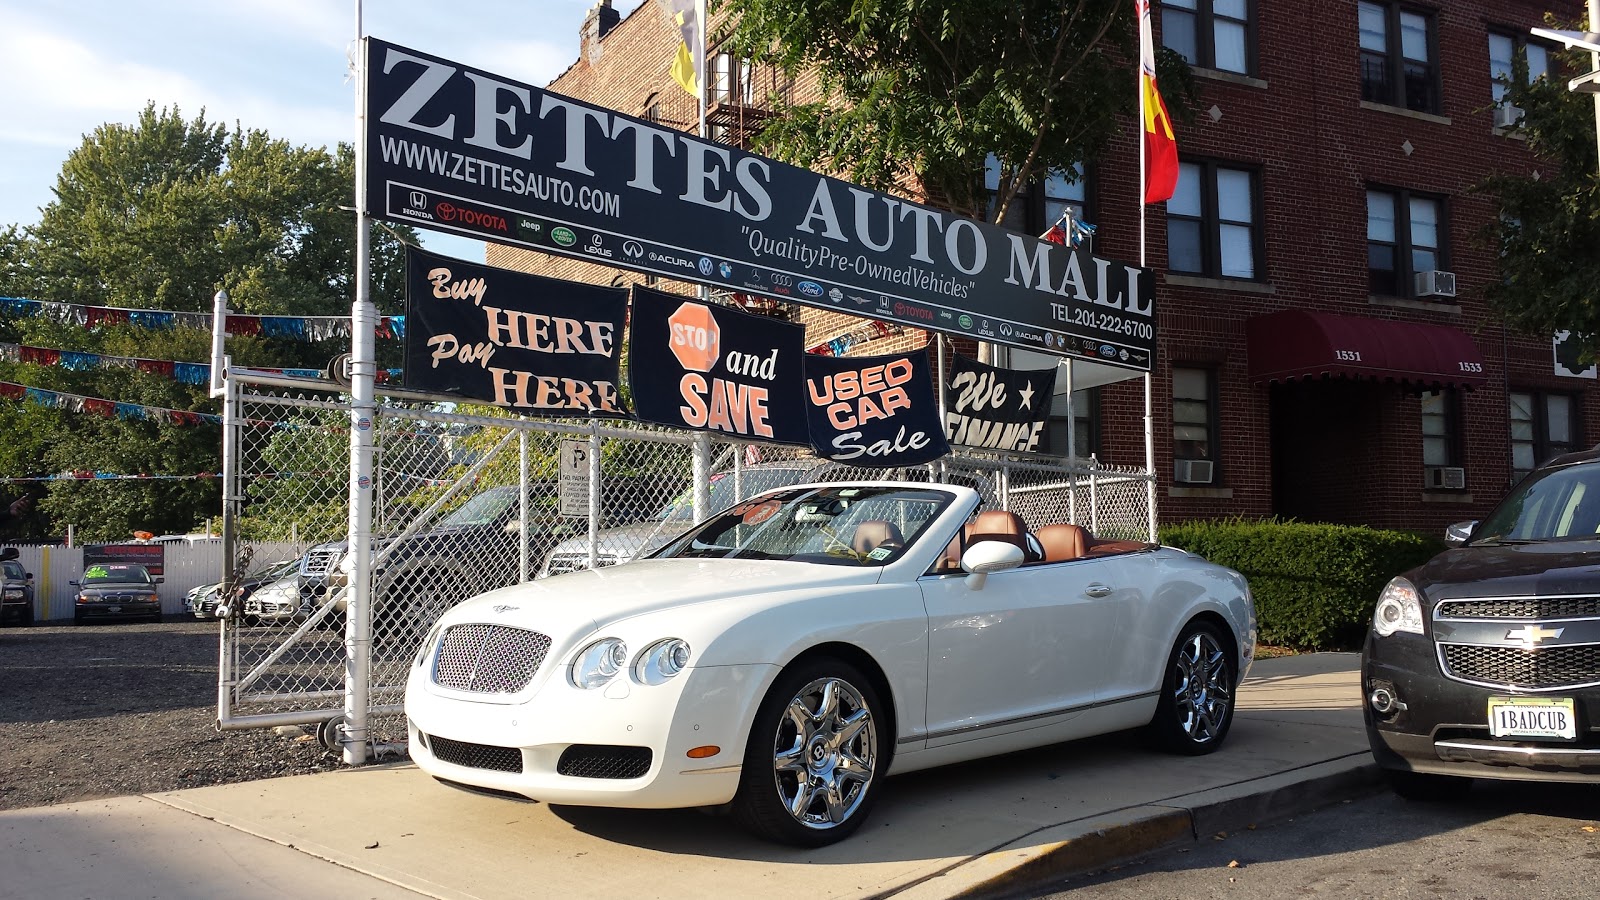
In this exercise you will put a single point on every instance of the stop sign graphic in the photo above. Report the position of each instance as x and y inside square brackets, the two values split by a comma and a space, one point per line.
[696, 339]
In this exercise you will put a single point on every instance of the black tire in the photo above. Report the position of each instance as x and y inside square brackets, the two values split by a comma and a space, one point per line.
[1197, 692]
[1424, 787]
[77, 618]
[27, 616]
[780, 756]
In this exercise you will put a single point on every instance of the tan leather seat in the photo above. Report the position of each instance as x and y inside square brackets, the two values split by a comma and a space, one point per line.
[1063, 542]
[1002, 525]
[871, 534]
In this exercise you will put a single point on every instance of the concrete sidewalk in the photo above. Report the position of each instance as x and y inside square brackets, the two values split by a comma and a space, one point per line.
[981, 828]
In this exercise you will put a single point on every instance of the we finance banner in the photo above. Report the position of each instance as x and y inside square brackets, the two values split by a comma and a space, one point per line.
[874, 410]
[455, 148]
[539, 346]
[714, 368]
[1000, 409]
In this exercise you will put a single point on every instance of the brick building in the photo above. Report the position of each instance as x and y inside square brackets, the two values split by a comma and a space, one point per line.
[1324, 349]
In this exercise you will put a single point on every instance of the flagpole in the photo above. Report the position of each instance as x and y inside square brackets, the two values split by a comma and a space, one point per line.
[1143, 8]
[702, 440]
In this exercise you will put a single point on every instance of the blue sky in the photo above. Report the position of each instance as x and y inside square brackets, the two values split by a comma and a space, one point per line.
[278, 65]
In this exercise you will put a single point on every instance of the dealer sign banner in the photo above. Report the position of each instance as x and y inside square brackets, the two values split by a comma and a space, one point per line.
[538, 346]
[714, 368]
[457, 149]
[874, 410]
[999, 409]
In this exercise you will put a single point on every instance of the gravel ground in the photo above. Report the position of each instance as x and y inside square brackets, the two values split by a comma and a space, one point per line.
[111, 709]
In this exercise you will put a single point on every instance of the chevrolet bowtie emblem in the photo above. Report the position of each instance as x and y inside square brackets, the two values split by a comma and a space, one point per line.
[1533, 634]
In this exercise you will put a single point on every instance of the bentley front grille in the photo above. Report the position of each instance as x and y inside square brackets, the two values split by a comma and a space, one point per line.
[1516, 667]
[476, 756]
[1521, 608]
[489, 659]
[601, 761]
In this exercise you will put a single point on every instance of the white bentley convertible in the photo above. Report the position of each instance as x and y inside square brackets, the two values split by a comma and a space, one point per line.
[785, 656]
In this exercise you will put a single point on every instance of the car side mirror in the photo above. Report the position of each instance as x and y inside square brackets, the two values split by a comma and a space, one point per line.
[158, 579]
[985, 557]
[29, 574]
[73, 583]
[1457, 534]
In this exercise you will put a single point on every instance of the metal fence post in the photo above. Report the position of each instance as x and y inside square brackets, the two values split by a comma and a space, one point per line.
[523, 573]
[594, 497]
[702, 475]
[363, 413]
[227, 649]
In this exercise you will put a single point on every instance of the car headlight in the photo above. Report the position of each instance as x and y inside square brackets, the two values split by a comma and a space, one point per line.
[1399, 609]
[13, 593]
[661, 660]
[599, 663]
[428, 644]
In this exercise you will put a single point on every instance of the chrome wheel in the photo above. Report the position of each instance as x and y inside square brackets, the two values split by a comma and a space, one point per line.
[1202, 692]
[825, 753]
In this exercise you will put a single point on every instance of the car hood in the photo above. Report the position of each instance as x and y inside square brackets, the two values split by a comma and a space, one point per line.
[580, 602]
[117, 587]
[627, 541]
[1500, 570]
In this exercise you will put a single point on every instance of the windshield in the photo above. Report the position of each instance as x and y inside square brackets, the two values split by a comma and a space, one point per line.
[1549, 505]
[723, 495]
[14, 570]
[846, 526]
[485, 509]
[116, 574]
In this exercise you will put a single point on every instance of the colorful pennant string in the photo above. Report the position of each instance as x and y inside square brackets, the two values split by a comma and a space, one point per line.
[842, 344]
[107, 408]
[295, 328]
[185, 372]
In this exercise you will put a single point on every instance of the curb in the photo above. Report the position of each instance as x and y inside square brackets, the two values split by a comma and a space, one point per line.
[1044, 858]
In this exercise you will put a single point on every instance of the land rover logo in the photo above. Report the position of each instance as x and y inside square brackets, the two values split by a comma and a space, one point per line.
[563, 236]
[966, 321]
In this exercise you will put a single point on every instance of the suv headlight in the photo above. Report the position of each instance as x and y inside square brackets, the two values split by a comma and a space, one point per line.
[13, 593]
[1399, 609]
[661, 660]
[599, 663]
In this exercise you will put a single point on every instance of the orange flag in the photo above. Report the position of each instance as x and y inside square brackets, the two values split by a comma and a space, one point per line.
[1160, 147]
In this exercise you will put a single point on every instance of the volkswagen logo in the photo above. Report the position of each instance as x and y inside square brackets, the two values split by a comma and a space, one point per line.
[705, 265]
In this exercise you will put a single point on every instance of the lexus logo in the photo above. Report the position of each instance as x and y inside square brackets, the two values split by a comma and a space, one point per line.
[1531, 635]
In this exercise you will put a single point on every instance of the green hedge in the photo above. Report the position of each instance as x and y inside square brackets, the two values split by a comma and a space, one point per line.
[1314, 585]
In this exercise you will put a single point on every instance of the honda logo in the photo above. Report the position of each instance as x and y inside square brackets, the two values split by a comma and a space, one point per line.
[419, 200]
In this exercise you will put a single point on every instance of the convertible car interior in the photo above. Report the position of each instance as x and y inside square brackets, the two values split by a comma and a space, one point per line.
[1054, 543]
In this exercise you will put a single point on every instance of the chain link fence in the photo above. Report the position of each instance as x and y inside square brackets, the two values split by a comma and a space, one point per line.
[470, 500]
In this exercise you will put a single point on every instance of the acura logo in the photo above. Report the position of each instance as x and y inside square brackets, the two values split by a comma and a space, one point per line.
[1531, 635]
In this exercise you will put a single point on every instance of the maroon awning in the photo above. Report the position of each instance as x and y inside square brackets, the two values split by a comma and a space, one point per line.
[1302, 344]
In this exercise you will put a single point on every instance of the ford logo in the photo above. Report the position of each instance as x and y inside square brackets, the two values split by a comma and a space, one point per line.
[810, 288]
[1108, 351]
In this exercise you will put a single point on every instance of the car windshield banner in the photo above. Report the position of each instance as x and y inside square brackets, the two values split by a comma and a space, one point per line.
[874, 410]
[457, 149]
[999, 409]
[714, 368]
[538, 346]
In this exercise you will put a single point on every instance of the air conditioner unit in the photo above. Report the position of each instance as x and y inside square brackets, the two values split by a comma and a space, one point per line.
[1436, 284]
[1452, 478]
[1507, 116]
[1192, 471]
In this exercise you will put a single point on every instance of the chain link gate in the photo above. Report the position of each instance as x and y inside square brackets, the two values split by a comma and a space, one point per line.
[468, 503]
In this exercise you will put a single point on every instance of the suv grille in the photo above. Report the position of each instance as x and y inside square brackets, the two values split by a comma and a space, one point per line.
[317, 561]
[489, 659]
[476, 756]
[601, 761]
[1521, 608]
[1546, 667]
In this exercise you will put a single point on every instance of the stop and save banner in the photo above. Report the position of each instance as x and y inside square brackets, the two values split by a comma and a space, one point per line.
[713, 368]
[874, 410]
[536, 345]
[458, 149]
[1001, 409]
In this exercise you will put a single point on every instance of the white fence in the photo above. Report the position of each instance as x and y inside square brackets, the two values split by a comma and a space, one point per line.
[186, 566]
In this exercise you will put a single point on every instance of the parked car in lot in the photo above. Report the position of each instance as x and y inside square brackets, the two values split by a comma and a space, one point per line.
[204, 600]
[1485, 661]
[789, 653]
[276, 602]
[16, 590]
[116, 591]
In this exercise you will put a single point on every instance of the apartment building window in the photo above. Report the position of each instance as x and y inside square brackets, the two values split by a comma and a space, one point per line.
[1212, 222]
[1542, 426]
[1084, 411]
[1194, 425]
[1404, 231]
[1441, 441]
[730, 81]
[1211, 34]
[1504, 52]
[1036, 207]
[1399, 66]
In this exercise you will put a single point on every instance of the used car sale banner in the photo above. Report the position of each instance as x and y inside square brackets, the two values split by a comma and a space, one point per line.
[874, 410]
[715, 368]
[454, 148]
[538, 346]
[999, 409]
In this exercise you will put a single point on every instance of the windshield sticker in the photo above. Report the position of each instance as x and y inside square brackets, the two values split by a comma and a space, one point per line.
[881, 553]
[96, 572]
[761, 512]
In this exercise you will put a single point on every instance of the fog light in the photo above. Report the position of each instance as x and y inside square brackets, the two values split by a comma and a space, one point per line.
[1384, 701]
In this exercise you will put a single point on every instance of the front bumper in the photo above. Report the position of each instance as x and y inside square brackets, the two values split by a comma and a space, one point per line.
[117, 610]
[702, 707]
[15, 610]
[1443, 728]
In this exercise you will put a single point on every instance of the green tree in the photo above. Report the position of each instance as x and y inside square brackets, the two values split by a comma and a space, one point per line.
[931, 90]
[1549, 225]
[160, 214]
